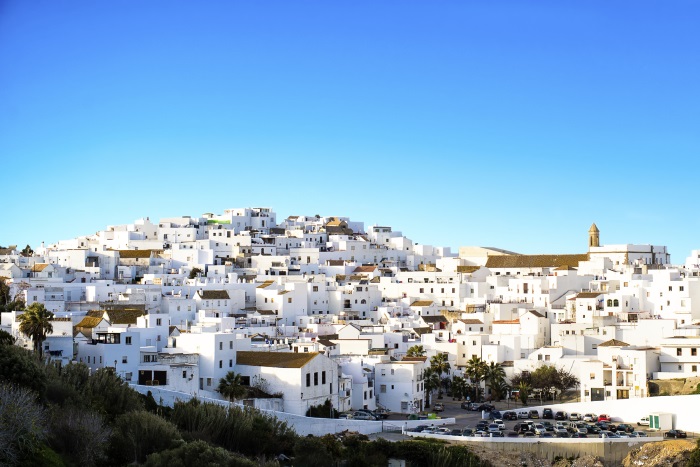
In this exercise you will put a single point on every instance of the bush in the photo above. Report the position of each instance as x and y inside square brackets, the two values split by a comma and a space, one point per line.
[22, 424]
[197, 453]
[79, 433]
[110, 395]
[23, 368]
[240, 430]
[140, 433]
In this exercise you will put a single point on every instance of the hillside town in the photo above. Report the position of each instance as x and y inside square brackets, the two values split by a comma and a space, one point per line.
[312, 309]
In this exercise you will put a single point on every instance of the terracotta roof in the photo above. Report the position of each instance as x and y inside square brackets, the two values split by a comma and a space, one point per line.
[422, 330]
[96, 313]
[434, 319]
[213, 294]
[135, 254]
[588, 294]
[507, 321]
[613, 343]
[468, 269]
[422, 303]
[565, 268]
[266, 312]
[326, 342]
[124, 316]
[275, 359]
[537, 313]
[282, 292]
[89, 322]
[534, 261]
[335, 262]
[38, 267]
[414, 359]
[471, 321]
[265, 284]
[365, 269]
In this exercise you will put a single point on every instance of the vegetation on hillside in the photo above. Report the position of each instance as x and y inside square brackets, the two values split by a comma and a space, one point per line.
[64, 417]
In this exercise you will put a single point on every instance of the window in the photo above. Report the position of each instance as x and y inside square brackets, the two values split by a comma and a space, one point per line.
[124, 360]
[208, 381]
[158, 321]
[694, 352]
[289, 300]
[382, 388]
[230, 363]
[315, 289]
[230, 344]
[221, 346]
[383, 372]
[694, 368]
[128, 340]
[323, 377]
[680, 367]
[681, 288]
[221, 363]
[316, 378]
[184, 373]
[592, 375]
[392, 371]
[679, 352]
[308, 379]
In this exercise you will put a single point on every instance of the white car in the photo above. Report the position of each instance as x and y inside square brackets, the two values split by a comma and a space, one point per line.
[590, 417]
[501, 425]
[643, 421]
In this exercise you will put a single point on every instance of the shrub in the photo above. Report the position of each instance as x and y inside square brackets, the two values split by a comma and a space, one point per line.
[139, 433]
[22, 424]
[197, 453]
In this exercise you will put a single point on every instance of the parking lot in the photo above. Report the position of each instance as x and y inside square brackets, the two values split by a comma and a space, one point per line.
[469, 419]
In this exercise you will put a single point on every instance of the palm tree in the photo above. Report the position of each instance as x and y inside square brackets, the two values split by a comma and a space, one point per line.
[459, 386]
[476, 368]
[431, 382]
[524, 392]
[231, 386]
[440, 365]
[494, 375]
[35, 323]
[415, 351]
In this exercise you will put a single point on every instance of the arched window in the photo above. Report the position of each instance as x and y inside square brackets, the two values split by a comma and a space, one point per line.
[616, 302]
[363, 302]
[610, 302]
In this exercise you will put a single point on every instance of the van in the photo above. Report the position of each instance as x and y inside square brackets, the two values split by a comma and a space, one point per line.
[643, 421]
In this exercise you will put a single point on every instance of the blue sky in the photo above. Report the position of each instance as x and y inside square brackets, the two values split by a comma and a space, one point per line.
[513, 124]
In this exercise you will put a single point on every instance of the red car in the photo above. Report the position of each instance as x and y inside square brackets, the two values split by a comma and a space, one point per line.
[604, 418]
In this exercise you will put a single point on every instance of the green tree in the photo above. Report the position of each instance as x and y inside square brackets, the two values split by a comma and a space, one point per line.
[22, 367]
[195, 272]
[198, 453]
[139, 433]
[231, 386]
[524, 392]
[494, 375]
[440, 365]
[475, 371]
[6, 338]
[459, 387]
[431, 382]
[415, 351]
[324, 410]
[311, 451]
[27, 251]
[35, 323]
[110, 396]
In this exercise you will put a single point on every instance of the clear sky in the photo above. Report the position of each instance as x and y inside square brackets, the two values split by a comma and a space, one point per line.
[513, 124]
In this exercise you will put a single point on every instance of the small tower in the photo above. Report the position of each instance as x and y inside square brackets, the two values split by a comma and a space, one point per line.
[593, 236]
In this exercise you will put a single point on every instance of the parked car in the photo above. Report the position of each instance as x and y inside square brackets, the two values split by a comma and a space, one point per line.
[363, 416]
[578, 435]
[494, 414]
[625, 427]
[548, 425]
[539, 429]
[438, 407]
[561, 432]
[607, 434]
[493, 427]
[420, 428]
[675, 434]
[604, 418]
[534, 414]
[590, 417]
[346, 415]
[561, 416]
[468, 432]
[510, 415]
[382, 414]
[644, 421]
[496, 434]
[574, 416]
[547, 413]
[523, 414]
[638, 434]
[592, 429]
[501, 425]
[528, 434]
[546, 434]
[465, 405]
